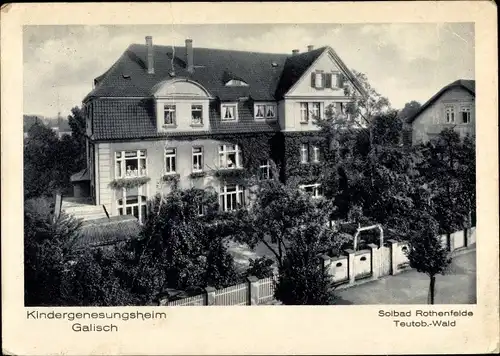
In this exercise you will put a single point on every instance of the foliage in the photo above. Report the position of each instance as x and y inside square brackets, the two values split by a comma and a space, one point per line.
[409, 110]
[302, 279]
[448, 168]
[261, 267]
[47, 244]
[128, 183]
[426, 252]
[77, 123]
[232, 173]
[277, 212]
[195, 175]
[49, 161]
[181, 250]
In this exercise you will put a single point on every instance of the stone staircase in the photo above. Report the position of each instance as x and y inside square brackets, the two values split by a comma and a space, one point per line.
[82, 208]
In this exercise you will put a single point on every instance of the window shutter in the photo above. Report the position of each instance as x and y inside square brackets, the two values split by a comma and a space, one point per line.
[340, 80]
[328, 80]
[313, 80]
[323, 80]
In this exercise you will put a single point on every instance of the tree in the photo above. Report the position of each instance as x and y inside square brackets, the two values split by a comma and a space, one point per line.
[276, 212]
[47, 245]
[49, 161]
[409, 110]
[302, 279]
[77, 123]
[181, 250]
[448, 166]
[426, 252]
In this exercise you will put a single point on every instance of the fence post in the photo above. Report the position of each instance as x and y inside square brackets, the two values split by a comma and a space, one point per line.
[350, 264]
[325, 259]
[253, 289]
[375, 258]
[394, 262]
[209, 296]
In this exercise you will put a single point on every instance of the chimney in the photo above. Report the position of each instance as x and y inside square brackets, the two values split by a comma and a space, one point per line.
[295, 51]
[310, 48]
[189, 55]
[150, 55]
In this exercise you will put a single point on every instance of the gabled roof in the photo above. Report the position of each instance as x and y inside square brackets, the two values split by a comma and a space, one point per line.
[468, 85]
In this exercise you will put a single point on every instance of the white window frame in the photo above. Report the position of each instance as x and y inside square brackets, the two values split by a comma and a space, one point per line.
[239, 193]
[170, 157]
[141, 202]
[200, 210]
[304, 113]
[315, 154]
[318, 80]
[313, 106]
[199, 157]
[468, 110]
[235, 112]
[169, 108]
[449, 111]
[121, 166]
[224, 152]
[304, 153]
[334, 80]
[266, 107]
[315, 187]
[200, 110]
[265, 165]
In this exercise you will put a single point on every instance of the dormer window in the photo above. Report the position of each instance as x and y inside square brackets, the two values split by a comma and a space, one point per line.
[229, 112]
[196, 115]
[236, 83]
[265, 111]
[169, 118]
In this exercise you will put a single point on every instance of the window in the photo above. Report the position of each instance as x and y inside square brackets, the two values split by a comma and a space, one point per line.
[315, 110]
[197, 159]
[450, 114]
[236, 83]
[304, 113]
[231, 197]
[315, 150]
[229, 112]
[196, 115]
[309, 110]
[304, 153]
[170, 160]
[265, 169]
[133, 205]
[265, 111]
[229, 156]
[465, 112]
[319, 80]
[260, 111]
[334, 81]
[130, 164]
[313, 189]
[169, 118]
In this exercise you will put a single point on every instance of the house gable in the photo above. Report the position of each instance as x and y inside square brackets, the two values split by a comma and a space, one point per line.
[336, 75]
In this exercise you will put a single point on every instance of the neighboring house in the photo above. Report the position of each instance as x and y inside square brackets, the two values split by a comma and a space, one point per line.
[452, 107]
[199, 117]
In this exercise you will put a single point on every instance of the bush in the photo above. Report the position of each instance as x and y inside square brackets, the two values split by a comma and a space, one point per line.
[261, 267]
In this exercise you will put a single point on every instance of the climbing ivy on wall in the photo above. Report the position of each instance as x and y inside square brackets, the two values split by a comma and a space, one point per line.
[282, 148]
[294, 169]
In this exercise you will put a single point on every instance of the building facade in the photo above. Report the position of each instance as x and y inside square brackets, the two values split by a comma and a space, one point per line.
[166, 116]
[452, 107]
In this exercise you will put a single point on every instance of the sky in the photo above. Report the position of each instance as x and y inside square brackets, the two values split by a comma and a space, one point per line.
[403, 62]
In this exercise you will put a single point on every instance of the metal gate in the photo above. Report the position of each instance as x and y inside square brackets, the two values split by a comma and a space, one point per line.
[386, 261]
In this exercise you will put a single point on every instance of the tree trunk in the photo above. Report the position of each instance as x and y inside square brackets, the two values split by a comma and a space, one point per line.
[432, 285]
